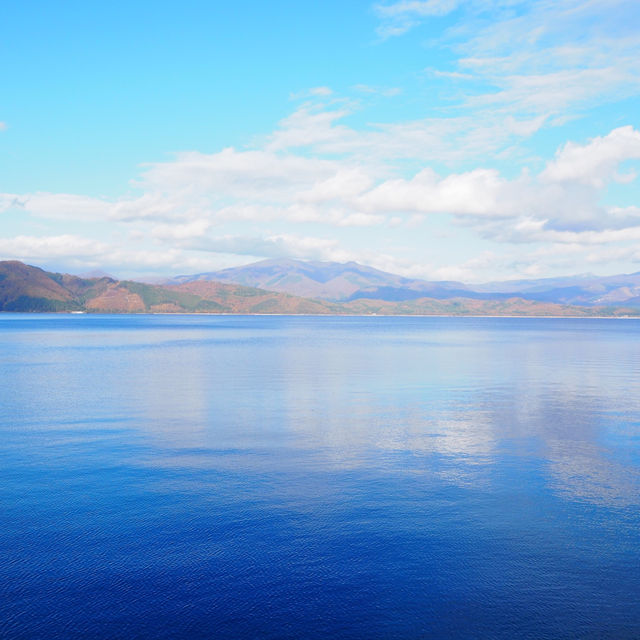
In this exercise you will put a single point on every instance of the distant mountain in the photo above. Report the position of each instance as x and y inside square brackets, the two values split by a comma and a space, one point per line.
[332, 281]
[28, 288]
[345, 282]
[96, 273]
[581, 290]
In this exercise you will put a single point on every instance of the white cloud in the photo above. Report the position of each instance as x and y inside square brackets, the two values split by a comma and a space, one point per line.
[314, 92]
[387, 92]
[47, 247]
[253, 185]
[158, 205]
[597, 162]
[556, 91]
[399, 17]
[417, 7]
[538, 233]
[57, 205]
[345, 183]
[482, 194]
[451, 75]
[237, 172]
[284, 186]
[531, 60]
[313, 126]
[571, 61]
[320, 91]
[276, 245]
[244, 203]
[474, 193]
[318, 130]
[322, 182]
[82, 253]
[177, 232]
[563, 198]
[197, 190]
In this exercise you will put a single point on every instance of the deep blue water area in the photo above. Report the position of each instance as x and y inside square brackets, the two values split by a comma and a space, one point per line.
[319, 477]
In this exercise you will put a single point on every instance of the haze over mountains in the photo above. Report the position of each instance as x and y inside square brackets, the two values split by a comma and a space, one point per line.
[339, 282]
[347, 289]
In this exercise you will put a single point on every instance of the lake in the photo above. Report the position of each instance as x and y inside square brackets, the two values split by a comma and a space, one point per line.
[319, 477]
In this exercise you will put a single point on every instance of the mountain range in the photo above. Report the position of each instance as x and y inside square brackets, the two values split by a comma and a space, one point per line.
[350, 281]
[28, 288]
[339, 289]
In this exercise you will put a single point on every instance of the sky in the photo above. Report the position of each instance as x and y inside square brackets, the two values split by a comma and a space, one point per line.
[470, 140]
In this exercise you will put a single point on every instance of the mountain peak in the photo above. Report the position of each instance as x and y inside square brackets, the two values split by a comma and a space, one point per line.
[344, 281]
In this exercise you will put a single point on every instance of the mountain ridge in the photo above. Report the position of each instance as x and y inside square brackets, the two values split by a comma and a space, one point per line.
[29, 288]
[333, 281]
[345, 282]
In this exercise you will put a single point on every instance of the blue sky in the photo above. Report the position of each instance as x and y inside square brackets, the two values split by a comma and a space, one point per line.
[445, 139]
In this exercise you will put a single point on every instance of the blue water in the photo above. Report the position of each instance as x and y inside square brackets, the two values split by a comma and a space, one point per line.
[282, 477]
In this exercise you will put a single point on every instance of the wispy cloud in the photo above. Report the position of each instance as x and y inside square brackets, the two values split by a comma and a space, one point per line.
[532, 58]
[399, 17]
[319, 130]
[314, 92]
[387, 92]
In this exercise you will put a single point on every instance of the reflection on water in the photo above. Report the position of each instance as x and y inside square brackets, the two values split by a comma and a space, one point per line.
[429, 476]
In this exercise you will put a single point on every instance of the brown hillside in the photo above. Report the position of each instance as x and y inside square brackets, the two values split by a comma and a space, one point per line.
[116, 299]
[18, 279]
[239, 299]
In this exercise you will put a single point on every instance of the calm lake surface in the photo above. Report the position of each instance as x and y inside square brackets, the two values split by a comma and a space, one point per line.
[302, 477]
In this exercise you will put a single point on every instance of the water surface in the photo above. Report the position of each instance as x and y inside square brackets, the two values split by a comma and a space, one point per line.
[301, 477]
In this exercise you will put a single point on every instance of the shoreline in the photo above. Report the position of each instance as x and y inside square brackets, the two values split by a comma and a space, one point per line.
[317, 315]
